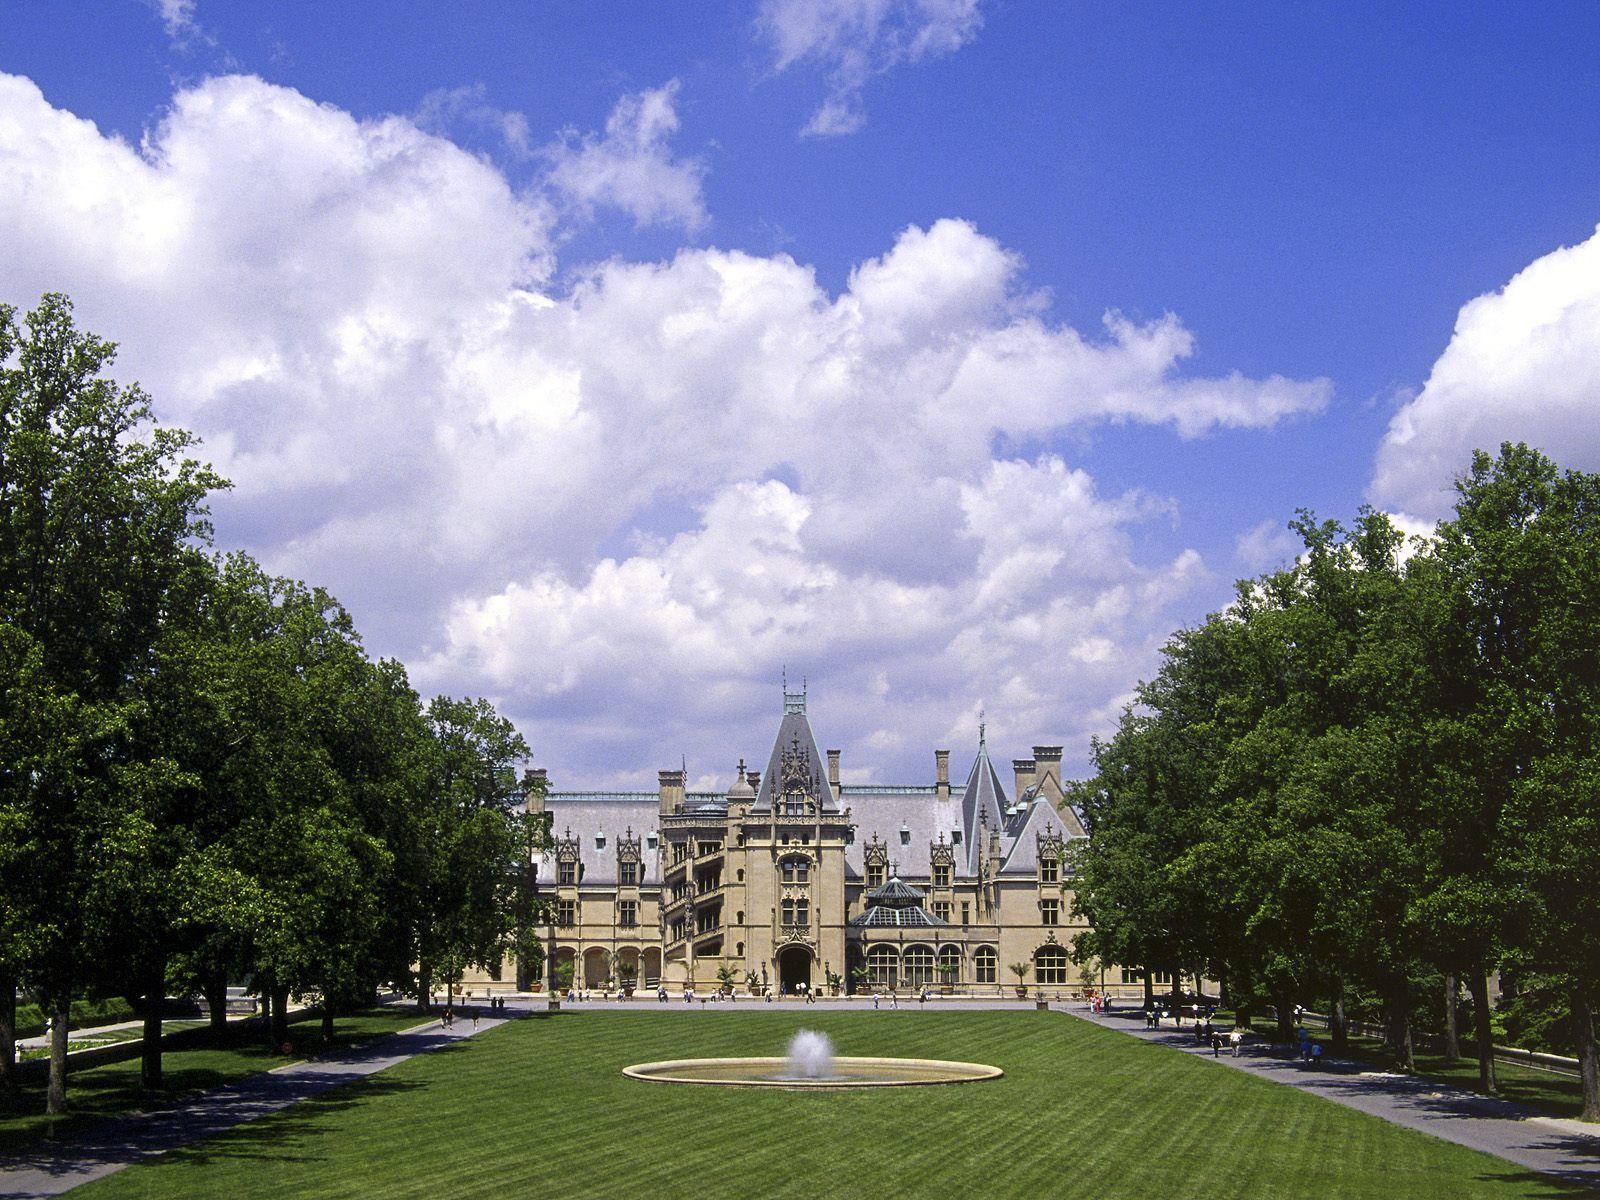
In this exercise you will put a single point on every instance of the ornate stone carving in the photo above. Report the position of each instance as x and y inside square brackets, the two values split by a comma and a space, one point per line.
[875, 853]
[941, 853]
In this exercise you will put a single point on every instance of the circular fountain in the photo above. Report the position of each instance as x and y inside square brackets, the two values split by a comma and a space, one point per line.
[811, 1063]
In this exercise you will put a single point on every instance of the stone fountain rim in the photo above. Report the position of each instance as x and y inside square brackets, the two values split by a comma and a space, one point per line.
[959, 1072]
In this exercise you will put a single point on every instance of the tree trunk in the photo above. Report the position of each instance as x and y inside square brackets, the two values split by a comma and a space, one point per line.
[55, 1101]
[1397, 1023]
[424, 987]
[1339, 1027]
[150, 1049]
[1177, 996]
[1588, 1057]
[1149, 990]
[1283, 1005]
[1452, 1040]
[327, 1019]
[1479, 987]
[216, 992]
[280, 1017]
[8, 1040]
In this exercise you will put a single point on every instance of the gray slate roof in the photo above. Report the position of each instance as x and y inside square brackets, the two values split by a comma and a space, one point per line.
[794, 732]
[586, 814]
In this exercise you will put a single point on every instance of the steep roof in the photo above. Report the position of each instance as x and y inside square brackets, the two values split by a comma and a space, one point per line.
[796, 747]
[1022, 856]
[985, 797]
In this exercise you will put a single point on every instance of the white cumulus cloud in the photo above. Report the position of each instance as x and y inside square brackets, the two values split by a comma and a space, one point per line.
[631, 166]
[622, 504]
[854, 40]
[1523, 365]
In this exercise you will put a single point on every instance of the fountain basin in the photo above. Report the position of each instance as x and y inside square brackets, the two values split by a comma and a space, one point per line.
[842, 1073]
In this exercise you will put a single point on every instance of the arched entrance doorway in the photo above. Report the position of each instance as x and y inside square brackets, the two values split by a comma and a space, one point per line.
[794, 967]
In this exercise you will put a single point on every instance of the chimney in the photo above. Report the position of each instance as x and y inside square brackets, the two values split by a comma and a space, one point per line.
[1049, 760]
[1024, 768]
[535, 783]
[755, 781]
[833, 771]
[941, 765]
[671, 791]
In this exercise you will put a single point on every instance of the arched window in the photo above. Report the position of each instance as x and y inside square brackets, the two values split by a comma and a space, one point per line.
[949, 964]
[918, 963]
[883, 966]
[985, 964]
[795, 870]
[1050, 965]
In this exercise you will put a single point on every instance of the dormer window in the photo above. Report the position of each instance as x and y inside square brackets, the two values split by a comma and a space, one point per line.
[955, 837]
[600, 840]
[905, 835]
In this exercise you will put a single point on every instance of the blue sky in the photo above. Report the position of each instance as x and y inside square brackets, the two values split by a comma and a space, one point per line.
[633, 285]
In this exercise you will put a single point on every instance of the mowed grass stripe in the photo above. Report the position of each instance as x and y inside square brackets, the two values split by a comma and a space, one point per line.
[539, 1106]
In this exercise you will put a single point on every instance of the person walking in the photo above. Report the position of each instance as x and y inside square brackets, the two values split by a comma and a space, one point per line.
[1236, 1039]
[1216, 1045]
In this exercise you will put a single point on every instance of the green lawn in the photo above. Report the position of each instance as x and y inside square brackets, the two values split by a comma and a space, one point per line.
[538, 1108]
[114, 1088]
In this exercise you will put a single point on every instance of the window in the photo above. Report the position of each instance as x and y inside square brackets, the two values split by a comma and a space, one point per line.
[918, 963]
[710, 848]
[794, 805]
[882, 967]
[567, 873]
[796, 911]
[1161, 978]
[955, 837]
[941, 910]
[1132, 975]
[708, 920]
[985, 964]
[600, 840]
[627, 913]
[652, 841]
[874, 876]
[630, 874]
[1049, 870]
[941, 875]
[949, 964]
[1050, 912]
[1050, 965]
[905, 836]
[677, 930]
[680, 851]
[795, 870]
[566, 913]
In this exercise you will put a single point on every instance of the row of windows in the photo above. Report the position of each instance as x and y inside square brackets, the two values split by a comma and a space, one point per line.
[627, 873]
[627, 913]
[918, 967]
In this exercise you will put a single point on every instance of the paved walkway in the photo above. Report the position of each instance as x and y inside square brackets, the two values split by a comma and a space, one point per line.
[51, 1168]
[1568, 1150]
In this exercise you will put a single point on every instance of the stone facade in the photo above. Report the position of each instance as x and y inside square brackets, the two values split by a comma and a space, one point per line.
[784, 880]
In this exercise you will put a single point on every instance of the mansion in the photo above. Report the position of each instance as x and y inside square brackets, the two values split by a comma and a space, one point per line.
[794, 879]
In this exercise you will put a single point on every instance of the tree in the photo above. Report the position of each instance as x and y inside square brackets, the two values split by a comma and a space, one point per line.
[470, 837]
[98, 511]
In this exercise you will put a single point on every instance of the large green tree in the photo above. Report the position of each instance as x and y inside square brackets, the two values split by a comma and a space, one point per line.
[99, 511]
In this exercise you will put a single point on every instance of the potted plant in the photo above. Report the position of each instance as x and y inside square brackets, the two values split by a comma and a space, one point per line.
[835, 983]
[727, 978]
[862, 977]
[1020, 970]
[947, 978]
[627, 973]
[563, 981]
